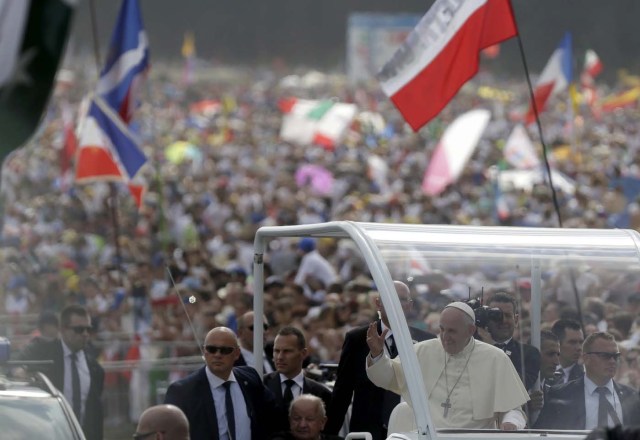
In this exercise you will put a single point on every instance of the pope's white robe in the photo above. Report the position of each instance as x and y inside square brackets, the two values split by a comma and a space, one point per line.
[488, 387]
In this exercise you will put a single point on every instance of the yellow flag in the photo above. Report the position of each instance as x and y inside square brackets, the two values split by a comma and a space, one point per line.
[188, 45]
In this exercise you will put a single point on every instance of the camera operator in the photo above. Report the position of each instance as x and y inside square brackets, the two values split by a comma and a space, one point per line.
[497, 329]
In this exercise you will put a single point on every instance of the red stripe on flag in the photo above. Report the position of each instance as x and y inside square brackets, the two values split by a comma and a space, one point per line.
[423, 97]
[95, 162]
[540, 96]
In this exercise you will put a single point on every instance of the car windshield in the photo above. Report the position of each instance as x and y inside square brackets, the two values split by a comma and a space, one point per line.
[33, 418]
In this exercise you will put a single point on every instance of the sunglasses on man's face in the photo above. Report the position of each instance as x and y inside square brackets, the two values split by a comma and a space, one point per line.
[79, 329]
[213, 349]
[264, 326]
[605, 355]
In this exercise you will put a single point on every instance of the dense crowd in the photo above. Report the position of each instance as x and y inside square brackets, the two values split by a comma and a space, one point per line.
[182, 261]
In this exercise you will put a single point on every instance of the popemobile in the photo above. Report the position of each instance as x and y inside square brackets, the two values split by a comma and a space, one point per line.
[533, 264]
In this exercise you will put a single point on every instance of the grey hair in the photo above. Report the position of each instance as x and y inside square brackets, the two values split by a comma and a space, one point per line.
[310, 398]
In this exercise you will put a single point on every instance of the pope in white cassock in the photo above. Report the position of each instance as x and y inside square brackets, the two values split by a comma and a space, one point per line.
[470, 384]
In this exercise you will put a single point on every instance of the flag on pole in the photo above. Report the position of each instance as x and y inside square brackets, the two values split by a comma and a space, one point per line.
[442, 53]
[592, 68]
[456, 146]
[34, 35]
[555, 77]
[127, 62]
[189, 54]
[107, 150]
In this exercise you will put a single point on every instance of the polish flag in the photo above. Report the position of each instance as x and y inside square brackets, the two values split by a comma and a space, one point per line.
[442, 53]
[555, 77]
[456, 146]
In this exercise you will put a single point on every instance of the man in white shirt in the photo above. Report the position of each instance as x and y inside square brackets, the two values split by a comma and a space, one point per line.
[470, 384]
[245, 337]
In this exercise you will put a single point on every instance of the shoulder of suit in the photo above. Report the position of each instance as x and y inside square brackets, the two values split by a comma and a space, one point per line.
[316, 383]
[244, 371]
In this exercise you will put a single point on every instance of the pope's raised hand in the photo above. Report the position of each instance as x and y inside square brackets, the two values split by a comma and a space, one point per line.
[375, 341]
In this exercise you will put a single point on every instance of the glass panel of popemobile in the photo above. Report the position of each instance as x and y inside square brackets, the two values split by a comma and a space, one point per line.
[543, 268]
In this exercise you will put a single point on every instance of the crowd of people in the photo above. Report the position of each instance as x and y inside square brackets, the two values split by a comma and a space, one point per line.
[156, 279]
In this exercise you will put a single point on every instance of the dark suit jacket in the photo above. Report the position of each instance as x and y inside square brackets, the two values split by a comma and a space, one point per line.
[529, 374]
[576, 372]
[268, 355]
[564, 406]
[309, 386]
[352, 381]
[92, 425]
[193, 396]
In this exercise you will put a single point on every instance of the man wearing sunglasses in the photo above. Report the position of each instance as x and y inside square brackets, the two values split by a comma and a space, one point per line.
[223, 402]
[594, 400]
[245, 338]
[72, 368]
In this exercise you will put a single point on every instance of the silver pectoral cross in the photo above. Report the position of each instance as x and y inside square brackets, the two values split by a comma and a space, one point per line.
[446, 405]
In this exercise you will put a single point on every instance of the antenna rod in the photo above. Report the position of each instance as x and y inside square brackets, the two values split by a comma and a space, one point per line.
[192, 299]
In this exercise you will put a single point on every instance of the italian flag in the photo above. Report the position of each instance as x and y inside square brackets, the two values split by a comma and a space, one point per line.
[314, 122]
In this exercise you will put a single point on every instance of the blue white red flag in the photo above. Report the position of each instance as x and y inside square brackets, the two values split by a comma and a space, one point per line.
[127, 62]
[107, 150]
[555, 77]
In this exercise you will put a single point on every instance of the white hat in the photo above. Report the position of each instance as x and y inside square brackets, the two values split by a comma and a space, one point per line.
[463, 307]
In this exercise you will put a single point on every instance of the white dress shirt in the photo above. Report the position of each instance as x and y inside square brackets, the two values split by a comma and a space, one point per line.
[83, 373]
[591, 403]
[240, 415]
[296, 389]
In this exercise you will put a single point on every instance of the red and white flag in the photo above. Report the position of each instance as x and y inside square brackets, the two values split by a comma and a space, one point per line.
[555, 77]
[592, 68]
[442, 53]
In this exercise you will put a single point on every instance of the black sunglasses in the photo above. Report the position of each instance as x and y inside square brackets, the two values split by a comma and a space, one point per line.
[605, 355]
[141, 435]
[79, 329]
[264, 326]
[213, 349]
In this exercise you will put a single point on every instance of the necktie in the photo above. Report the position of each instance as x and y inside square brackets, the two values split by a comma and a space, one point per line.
[288, 393]
[605, 409]
[75, 387]
[391, 345]
[228, 403]
[501, 345]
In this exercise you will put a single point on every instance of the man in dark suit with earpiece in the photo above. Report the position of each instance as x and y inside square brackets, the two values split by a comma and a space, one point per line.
[594, 400]
[289, 381]
[372, 405]
[222, 401]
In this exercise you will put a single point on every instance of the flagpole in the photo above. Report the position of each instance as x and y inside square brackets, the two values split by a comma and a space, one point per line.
[112, 186]
[554, 197]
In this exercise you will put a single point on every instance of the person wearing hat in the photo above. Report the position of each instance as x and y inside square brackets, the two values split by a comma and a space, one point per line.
[470, 384]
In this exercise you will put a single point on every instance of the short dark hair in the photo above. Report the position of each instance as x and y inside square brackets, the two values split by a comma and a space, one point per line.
[73, 309]
[560, 327]
[291, 330]
[504, 297]
[546, 335]
[47, 317]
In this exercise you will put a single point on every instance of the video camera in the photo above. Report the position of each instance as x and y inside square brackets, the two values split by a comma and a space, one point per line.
[483, 313]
